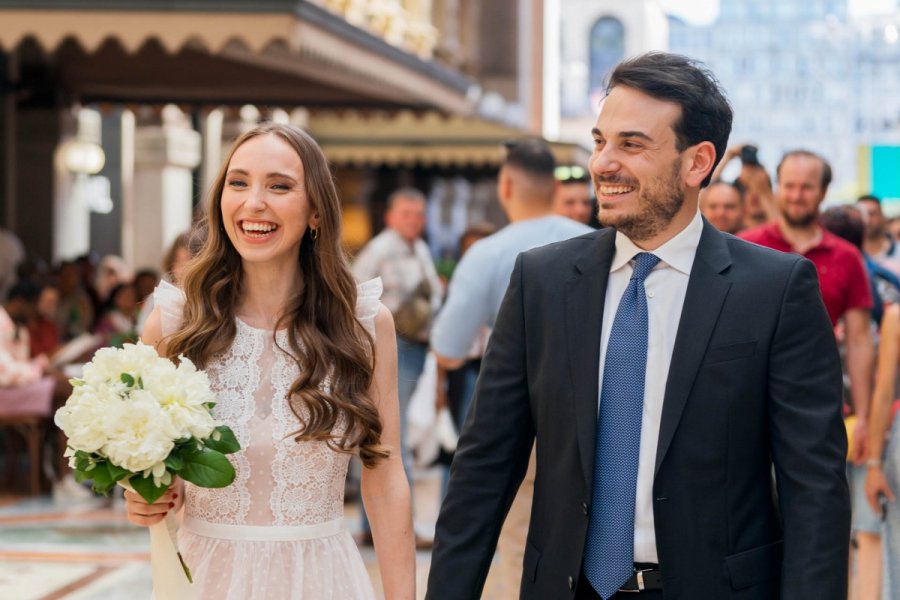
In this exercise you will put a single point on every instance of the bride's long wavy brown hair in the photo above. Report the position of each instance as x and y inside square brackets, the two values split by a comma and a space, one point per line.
[333, 351]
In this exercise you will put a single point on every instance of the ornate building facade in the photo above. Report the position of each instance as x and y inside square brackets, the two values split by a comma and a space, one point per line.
[805, 74]
[594, 35]
[114, 115]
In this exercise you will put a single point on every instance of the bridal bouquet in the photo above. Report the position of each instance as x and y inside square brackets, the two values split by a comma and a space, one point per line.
[136, 419]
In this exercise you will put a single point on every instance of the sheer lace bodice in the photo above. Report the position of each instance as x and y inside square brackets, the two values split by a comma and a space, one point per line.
[279, 481]
[277, 531]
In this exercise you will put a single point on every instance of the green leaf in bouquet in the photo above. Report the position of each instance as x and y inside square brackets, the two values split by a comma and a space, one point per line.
[181, 443]
[187, 571]
[209, 405]
[174, 462]
[101, 477]
[127, 379]
[188, 447]
[146, 488]
[207, 468]
[117, 473]
[83, 461]
[226, 443]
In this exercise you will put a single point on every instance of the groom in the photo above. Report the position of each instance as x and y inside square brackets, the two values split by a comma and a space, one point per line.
[666, 372]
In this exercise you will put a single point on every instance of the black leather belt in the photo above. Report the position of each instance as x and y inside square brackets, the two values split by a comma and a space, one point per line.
[645, 577]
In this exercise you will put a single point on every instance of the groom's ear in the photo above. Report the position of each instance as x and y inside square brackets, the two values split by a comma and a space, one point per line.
[700, 159]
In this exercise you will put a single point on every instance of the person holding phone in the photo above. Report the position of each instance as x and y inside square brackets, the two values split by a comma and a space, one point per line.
[759, 201]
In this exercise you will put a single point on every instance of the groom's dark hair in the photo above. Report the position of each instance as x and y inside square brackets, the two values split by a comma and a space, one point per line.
[706, 114]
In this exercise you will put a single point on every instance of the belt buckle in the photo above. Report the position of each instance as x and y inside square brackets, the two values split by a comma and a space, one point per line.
[639, 579]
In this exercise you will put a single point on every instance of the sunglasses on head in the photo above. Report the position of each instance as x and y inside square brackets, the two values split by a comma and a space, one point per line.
[570, 173]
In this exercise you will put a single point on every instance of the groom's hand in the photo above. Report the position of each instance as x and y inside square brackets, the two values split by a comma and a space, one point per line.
[141, 513]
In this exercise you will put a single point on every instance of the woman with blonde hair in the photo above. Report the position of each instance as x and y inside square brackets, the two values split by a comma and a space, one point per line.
[304, 365]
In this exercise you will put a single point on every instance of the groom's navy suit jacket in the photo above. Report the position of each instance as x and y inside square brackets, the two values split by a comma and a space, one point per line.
[755, 381]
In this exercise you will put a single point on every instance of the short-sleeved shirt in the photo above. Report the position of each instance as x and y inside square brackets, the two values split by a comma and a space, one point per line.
[842, 275]
[480, 279]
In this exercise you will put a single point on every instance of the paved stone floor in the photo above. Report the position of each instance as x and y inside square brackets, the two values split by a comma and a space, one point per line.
[85, 549]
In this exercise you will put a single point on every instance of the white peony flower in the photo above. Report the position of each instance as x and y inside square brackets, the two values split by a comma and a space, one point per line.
[141, 435]
[135, 423]
[85, 417]
[183, 394]
[137, 360]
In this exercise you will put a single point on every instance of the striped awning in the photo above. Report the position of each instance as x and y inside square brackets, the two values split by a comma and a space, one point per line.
[408, 138]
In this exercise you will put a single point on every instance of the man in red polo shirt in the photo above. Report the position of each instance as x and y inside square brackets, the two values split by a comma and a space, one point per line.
[803, 179]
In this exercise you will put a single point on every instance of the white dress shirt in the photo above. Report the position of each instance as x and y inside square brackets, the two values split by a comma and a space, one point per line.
[666, 286]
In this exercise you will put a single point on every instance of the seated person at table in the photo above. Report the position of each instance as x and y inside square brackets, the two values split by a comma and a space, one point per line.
[16, 366]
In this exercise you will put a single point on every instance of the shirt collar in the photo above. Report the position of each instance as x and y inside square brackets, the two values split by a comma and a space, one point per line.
[402, 241]
[827, 242]
[678, 252]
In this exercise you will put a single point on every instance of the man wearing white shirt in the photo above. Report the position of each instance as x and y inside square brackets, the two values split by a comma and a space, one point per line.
[664, 371]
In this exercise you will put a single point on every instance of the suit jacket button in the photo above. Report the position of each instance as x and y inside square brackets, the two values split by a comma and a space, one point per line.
[571, 582]
[584, 508]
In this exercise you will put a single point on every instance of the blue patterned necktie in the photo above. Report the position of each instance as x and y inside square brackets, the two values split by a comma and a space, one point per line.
[609, 550]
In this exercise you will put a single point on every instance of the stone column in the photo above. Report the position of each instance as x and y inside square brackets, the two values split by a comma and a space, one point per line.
[212, 149]
[164, 156]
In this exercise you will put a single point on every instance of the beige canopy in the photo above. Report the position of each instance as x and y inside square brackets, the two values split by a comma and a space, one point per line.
[428, 138]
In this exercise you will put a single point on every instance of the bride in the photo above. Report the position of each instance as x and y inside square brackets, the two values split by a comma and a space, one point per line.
[304, 365]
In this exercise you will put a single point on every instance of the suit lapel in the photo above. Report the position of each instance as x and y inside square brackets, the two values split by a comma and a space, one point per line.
[706, 292]
[585, 293]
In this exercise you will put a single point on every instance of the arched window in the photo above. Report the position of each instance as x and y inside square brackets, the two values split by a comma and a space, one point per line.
[607, 50]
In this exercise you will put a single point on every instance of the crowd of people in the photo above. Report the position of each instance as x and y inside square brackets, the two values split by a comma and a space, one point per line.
[51, 318]
[530, 311]
[77, 306]
[855, 252]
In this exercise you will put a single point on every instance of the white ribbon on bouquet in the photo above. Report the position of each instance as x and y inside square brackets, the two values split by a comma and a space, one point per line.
[170, 573]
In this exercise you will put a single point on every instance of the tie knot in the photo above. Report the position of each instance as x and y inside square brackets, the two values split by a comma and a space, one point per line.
[643, 264]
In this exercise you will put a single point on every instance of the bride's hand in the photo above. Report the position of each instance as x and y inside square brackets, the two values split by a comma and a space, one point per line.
[141, 513]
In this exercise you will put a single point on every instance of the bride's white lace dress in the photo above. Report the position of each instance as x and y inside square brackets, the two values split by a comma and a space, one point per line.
[278, 531]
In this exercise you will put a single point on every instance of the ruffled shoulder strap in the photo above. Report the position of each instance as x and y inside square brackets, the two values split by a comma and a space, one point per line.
[170, 301]
[368, 301]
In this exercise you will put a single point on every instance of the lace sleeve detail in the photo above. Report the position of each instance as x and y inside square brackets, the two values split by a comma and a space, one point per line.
[170, 301]
[368, 301]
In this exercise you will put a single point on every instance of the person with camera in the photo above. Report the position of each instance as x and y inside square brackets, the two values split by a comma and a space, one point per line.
[759, 203]
[412, 292]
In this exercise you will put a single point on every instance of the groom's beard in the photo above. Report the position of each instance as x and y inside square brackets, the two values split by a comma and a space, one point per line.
[658, 203]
